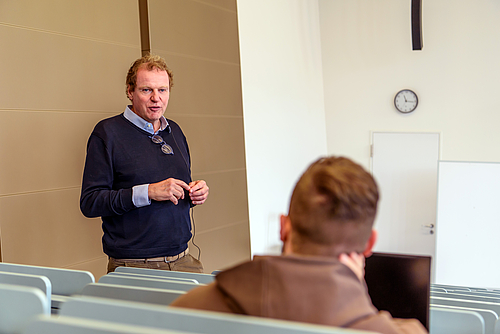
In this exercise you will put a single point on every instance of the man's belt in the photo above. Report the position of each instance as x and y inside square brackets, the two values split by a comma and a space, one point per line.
[165, 259]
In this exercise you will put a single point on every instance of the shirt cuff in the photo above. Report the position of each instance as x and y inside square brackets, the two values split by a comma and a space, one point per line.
[140, 196]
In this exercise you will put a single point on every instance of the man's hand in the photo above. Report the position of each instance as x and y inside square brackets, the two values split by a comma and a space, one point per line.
[355, 262]
[198, 192]
[168, 190]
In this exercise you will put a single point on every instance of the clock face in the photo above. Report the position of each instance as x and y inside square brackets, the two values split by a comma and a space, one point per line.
[406, 101]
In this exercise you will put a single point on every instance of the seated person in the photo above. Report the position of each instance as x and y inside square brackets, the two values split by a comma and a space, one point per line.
[319, 277]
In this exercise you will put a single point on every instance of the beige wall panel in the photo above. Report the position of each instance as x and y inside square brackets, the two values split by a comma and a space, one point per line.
[222, 4]
[46, 71]
[215, 143]
[204, 87]
[199, 40]
[227, 202]
[98, 267]
[223, 247]
[43, 150]
[111, 20]
[47, 229]
[63, 66]
[195, 29]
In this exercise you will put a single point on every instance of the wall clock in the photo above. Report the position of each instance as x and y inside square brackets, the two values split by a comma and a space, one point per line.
[406, 101]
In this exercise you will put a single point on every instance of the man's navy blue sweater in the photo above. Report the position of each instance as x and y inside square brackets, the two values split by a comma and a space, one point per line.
[120, 156]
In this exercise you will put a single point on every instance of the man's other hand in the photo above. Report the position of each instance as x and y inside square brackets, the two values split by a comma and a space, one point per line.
[198, 192]
[355, 262]
[168, 190]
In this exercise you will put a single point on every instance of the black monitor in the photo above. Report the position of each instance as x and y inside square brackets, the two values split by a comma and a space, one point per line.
[400, 284]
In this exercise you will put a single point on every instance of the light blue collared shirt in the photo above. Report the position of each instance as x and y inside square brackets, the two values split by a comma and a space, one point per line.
[141, 123]
[140, 193]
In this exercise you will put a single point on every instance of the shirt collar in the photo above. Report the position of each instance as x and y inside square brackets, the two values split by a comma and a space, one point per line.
[143, 124]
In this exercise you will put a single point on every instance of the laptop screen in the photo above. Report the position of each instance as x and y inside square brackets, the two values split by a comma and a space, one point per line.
[400, 284]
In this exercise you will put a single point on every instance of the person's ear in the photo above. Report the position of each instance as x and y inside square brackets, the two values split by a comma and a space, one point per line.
[285, 234]
[285, 228]
[129, 93]
[370, 243]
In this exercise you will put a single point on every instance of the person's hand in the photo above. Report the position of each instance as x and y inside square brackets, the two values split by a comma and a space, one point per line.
[355, 262]
[168, 190]
[198, 192]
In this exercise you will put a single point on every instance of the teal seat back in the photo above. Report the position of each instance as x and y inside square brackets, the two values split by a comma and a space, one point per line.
[18, 304]
[64, 281]
[199, 277]
[180, 319]
[147, 282]
[132, 293]
[447, 321]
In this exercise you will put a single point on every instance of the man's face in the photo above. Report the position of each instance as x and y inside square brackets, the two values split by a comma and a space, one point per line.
[150, 96]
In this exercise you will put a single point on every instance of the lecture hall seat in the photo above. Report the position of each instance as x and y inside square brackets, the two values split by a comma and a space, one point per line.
[34, 281]
[452, 321]
[199, 277]
[132, 293]
[65, 282]
[180, 279]
[73, 325]
[193, 321]
[490, 317]
[148, 282]
[18, 304]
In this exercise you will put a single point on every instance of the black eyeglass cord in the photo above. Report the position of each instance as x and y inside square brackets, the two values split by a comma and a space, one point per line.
[192, 210]
[194, 234]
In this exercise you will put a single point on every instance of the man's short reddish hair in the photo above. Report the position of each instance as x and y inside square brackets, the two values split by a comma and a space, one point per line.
[150, 62]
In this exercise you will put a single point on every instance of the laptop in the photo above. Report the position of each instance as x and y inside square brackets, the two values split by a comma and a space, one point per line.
[400, 284]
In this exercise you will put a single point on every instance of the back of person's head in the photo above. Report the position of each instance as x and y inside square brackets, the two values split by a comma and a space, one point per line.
[333, 208]
[149, 62]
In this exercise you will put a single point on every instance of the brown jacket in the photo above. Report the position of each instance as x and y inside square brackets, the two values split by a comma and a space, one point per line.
[298, 288]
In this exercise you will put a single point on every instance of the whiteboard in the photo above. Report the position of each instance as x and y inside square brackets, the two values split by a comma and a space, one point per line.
[468, 224]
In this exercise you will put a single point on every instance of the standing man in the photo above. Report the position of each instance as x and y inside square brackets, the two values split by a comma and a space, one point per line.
[320, 276]
[137, 178]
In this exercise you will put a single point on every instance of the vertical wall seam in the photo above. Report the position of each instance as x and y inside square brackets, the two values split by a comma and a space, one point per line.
[144, 26]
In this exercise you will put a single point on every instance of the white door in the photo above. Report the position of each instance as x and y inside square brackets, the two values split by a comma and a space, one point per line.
[405, 167]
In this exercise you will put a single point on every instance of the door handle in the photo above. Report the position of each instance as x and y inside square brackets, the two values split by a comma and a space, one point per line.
[431, 227]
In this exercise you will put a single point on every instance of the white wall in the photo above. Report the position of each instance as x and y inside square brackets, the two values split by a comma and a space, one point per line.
[283, 106]
[367, 58]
